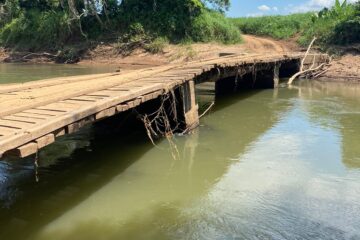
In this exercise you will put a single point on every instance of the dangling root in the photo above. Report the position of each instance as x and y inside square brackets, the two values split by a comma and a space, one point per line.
[158, 124]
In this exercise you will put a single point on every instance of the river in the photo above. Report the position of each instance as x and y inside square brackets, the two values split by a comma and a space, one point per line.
[269, 164]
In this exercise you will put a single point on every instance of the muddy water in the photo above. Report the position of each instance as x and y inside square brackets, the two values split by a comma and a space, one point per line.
[271, 164]
[19, 73]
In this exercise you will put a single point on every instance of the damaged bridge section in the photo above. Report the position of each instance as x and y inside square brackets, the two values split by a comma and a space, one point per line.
[33, 115]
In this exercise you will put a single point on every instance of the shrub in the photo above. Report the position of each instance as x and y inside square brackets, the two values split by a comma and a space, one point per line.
[213, 26]
[279, 27]
[36, 30]
[157, 45]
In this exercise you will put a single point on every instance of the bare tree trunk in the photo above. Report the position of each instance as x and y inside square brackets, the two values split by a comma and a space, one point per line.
[104, 3]
[75, 15]
[92, 5]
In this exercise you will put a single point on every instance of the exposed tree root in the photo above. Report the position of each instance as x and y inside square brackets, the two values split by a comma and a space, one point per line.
[164, 122]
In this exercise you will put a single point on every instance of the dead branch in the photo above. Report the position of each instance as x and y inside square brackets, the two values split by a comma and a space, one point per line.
[306, 71]
[312, 71]
[306, 54]
[207, 110]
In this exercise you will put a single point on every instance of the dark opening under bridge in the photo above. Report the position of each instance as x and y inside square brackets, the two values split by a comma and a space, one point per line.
[34, 114]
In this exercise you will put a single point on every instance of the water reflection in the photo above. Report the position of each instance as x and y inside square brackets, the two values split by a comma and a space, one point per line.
[337, 105]
[19, 73]
[262, 165]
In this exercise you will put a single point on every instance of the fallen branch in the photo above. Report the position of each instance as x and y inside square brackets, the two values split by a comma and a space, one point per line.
[44, 54]
[320, 73]
[307, 53]
[207, 110]
[305, 71]
[312, 71]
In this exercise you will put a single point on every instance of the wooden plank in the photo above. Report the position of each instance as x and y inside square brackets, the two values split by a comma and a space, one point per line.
[29, 115]
[74, 127]
[52, 94]
[51, 82]
[22, 119]
[63, 106]
[15, 124]
[122, 108]
[4, 131]
[83, 99]
[105, 113]
[60, 132]
[42, 112]
[23, 151]
[45, 140]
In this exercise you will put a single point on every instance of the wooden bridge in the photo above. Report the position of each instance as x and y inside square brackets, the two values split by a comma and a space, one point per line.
[34, 114]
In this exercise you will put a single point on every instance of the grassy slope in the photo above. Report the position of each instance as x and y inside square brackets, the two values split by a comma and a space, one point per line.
[339, 25]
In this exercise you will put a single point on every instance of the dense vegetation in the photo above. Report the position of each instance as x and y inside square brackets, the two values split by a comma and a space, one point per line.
[339, 25]
[279, 27]
[52, 24]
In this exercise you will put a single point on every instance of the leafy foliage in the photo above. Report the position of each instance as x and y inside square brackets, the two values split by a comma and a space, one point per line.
[279, 27]
[53, 23]
[339, 25]
[212, 26]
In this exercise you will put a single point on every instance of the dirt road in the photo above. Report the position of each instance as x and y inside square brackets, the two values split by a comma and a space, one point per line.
[180, 53]
[183, 53]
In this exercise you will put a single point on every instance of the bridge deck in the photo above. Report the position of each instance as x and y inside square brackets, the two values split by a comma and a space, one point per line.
[33, 114]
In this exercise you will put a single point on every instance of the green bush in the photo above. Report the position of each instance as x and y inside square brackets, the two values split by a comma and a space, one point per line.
[347, 32]
[157, 45]
[213, 26]
[35, 25]
[35, 30]
[339, 25]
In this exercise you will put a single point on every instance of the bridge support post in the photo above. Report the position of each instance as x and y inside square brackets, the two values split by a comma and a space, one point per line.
[264, 79]
[277, 75]
[190, 107]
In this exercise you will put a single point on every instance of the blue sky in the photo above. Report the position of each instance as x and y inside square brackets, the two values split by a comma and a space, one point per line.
[249, 8]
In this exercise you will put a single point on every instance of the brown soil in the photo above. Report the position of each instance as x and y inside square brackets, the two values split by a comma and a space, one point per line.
[344, 69]
[108, 54]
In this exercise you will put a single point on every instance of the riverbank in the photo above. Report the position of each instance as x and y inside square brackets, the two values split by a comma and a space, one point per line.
[343, 69]
[108, 53]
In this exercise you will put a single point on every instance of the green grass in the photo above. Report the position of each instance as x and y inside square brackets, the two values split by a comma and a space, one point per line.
[339, 25]
[278, 27]
[213, 26]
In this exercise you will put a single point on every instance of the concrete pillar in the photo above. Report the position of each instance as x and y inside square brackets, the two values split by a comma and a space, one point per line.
[189, 105]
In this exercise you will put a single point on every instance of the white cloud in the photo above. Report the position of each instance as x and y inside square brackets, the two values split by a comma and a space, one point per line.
[314, 5]
[275, 9]
[264, 8]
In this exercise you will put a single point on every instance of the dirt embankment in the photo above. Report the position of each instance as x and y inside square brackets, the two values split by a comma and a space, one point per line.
[344, 69]
[108, 53]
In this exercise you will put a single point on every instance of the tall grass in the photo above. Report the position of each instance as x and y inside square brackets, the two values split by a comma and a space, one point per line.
[339, 25]
[213, 26]
[278, 27]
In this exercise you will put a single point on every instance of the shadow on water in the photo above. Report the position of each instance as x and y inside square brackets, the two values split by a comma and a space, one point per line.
[25, 72]
[94, 156]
